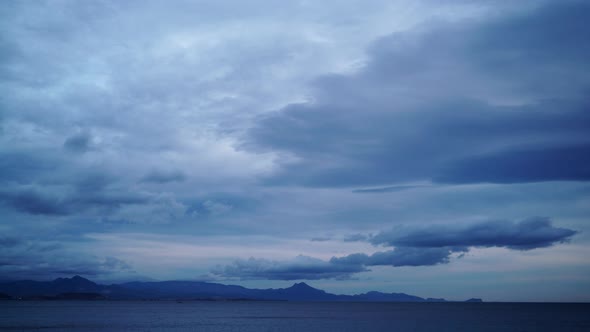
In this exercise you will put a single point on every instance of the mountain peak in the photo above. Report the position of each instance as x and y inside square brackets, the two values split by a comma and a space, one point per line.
[76, 281]
[301, 285]
[74, 278]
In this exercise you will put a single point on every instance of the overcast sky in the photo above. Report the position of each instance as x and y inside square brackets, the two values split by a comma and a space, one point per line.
[436, 148]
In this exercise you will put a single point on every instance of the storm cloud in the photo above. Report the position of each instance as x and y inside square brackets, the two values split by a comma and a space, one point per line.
[426, 247]
[78, 143]
[164, 176]
[460, 103]
[30, 201]
[34, 258]
[34, 202]
[400, 256]
[522, 165]
[302, 267]
[524, 235]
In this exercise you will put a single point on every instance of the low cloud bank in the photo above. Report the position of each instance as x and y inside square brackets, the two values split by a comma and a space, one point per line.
[412, 247]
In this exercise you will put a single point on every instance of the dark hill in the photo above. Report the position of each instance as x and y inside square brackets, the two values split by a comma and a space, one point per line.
[81, 288]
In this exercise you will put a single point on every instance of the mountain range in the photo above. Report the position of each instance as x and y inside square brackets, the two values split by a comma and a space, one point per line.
[81, 288]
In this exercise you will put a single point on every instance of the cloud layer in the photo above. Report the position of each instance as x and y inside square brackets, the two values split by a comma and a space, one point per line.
[459, 103]
[525, 235]
[425, 247]
[302, 267]
[34, 258]
[175, 137]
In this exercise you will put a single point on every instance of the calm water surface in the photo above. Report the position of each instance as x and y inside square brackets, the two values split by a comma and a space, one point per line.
[291, 316]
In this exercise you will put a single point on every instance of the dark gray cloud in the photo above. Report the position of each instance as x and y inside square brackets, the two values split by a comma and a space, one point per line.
[26, 165]
[424, 247]
[44, 182]
[408, 256]
[302, 267]
[93, 181]
[96, 83]
[521, 165]
[401, 256]
[78, 143]
[164, 176]
[35, 258]
[524, 235]
[33, 202]
[106, 199]
[308, 268]
[9, 241]
[503, 101]
[389, 189]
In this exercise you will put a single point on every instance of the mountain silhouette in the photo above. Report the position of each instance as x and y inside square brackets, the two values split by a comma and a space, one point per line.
[81, 288]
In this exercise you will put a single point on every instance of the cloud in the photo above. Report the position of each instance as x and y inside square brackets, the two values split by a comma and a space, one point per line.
[35, 258]
[78, 143]
[528, 234]
[355, 238]
[30, 201]
[389, 189]
[423, 247]
[400, 256]
[522, 165]
[500, 101]
[309, 268]
[302, 267]
[408, 256]
[45, 268]
[223, 204]
[164, 176]
[320, 239]
[8, 241]
[25, 165]
[107, 199]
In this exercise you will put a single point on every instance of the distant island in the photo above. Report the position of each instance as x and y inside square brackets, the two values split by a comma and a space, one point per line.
[79, 288]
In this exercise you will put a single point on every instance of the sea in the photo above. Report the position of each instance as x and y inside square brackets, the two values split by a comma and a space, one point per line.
[260, 316]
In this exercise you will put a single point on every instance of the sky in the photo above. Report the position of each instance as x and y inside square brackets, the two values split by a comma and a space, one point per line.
[435, 148]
